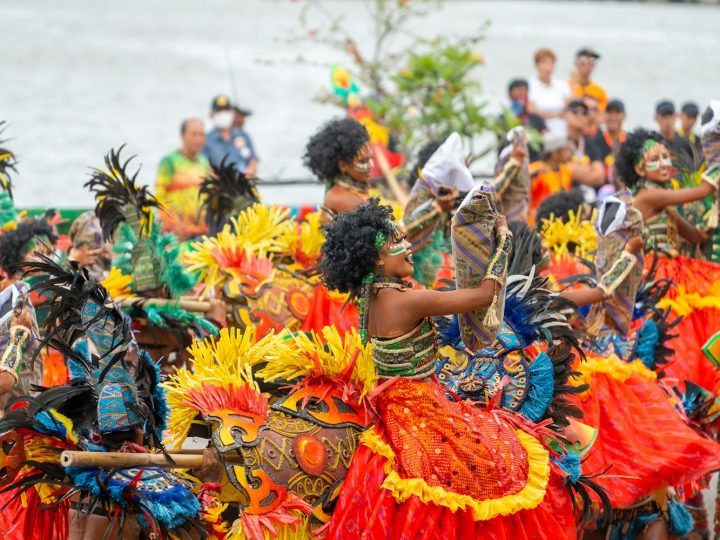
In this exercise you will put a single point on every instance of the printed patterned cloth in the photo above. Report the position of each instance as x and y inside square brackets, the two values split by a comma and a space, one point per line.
[473, 242]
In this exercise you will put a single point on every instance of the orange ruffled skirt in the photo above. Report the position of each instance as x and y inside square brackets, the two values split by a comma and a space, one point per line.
[432, 468]
[642, 442]
[696, 297]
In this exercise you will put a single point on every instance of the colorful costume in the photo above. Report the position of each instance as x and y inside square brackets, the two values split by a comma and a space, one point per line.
[113, 390]
[147, 261]
[643, 444]
[431, 467]
[443, 177]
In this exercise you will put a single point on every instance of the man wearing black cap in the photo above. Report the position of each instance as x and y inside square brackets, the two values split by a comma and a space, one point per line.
[580, 83]
[689, 113]
[680, 148]
[224, 140]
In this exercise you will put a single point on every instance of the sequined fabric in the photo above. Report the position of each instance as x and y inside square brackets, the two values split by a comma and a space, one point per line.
[411, 355]
[451, 445]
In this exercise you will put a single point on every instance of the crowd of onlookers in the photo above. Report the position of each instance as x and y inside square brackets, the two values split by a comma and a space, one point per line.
[582, 127]
[580, 130]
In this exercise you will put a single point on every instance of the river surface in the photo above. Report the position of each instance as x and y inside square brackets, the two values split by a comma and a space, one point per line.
[82, 76]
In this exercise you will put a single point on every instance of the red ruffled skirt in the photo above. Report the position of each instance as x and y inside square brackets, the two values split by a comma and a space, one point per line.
[432, 468]
[696, 297]
[643, 444]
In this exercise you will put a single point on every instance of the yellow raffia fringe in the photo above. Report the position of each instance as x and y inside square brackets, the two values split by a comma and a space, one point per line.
[557, 235]
[611, 366]
[328, 354]
[117, 284]
[685, 303]
[265, 229]
[528, 497]
[309, 238]
[298, 531]
[224, 361]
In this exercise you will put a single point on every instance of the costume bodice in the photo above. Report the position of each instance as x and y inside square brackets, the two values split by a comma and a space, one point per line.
[661, 232]
[411, 355]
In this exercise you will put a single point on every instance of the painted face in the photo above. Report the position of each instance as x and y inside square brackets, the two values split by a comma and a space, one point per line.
[360, 167]
[656, 164]
[396, 257]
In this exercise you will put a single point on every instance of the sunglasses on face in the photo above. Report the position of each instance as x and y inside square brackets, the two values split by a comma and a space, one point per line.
[580, 112]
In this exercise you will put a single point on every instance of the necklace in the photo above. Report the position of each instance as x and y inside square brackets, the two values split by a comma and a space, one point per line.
[391, 283]
[353, 185]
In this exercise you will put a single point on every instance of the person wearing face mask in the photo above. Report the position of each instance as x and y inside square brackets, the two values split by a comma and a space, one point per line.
[340, 155]
[225, 140]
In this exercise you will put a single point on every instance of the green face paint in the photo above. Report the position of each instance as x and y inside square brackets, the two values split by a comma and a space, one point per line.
[397, 249]
[363, 166]
[651, 166]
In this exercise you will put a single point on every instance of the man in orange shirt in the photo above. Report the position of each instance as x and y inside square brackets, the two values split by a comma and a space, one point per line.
[580, 83]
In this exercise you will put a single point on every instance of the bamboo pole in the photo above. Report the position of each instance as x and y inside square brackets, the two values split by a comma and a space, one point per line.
[186, 303]
[184, 459]
[393, 184]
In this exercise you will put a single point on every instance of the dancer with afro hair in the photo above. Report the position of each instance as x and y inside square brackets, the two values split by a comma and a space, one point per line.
[340, 155]
[644, 164]
[403, 466]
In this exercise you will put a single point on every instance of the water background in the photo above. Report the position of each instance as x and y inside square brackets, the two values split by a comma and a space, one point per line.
[81, 76]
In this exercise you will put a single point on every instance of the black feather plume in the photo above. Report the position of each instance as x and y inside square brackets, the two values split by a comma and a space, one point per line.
[115, 189]
[221, 191]
[7, 164]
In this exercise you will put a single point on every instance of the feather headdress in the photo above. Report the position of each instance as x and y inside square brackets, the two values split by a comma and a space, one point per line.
[118, 196]
[225, 192]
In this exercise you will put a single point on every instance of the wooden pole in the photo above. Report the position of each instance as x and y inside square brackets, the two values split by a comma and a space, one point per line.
[393, 184]
[188, 304]
[185, 459]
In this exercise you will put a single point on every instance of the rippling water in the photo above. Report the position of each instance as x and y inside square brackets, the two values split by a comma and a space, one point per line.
[81, 76]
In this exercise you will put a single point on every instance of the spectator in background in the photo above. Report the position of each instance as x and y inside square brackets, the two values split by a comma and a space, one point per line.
[680, 148]
[588, 169]
[241, 115]
[518, 91]
[178, 182]
[550, 174]
[594, 134]
[614, 134]
[689, 113]
[518, 96]
[580, 83]
[224, 140]
[548, 97]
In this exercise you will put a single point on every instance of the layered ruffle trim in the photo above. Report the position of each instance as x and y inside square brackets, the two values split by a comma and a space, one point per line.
[611, 366]
[530, 496]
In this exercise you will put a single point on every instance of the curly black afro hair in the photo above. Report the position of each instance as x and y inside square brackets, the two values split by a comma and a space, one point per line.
[13, 243]
[424, 154]
[349, 253]
[337, 140]
[630, 149]
[559, 204]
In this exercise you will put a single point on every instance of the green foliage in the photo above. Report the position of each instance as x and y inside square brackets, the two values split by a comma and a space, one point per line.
[420, 88]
